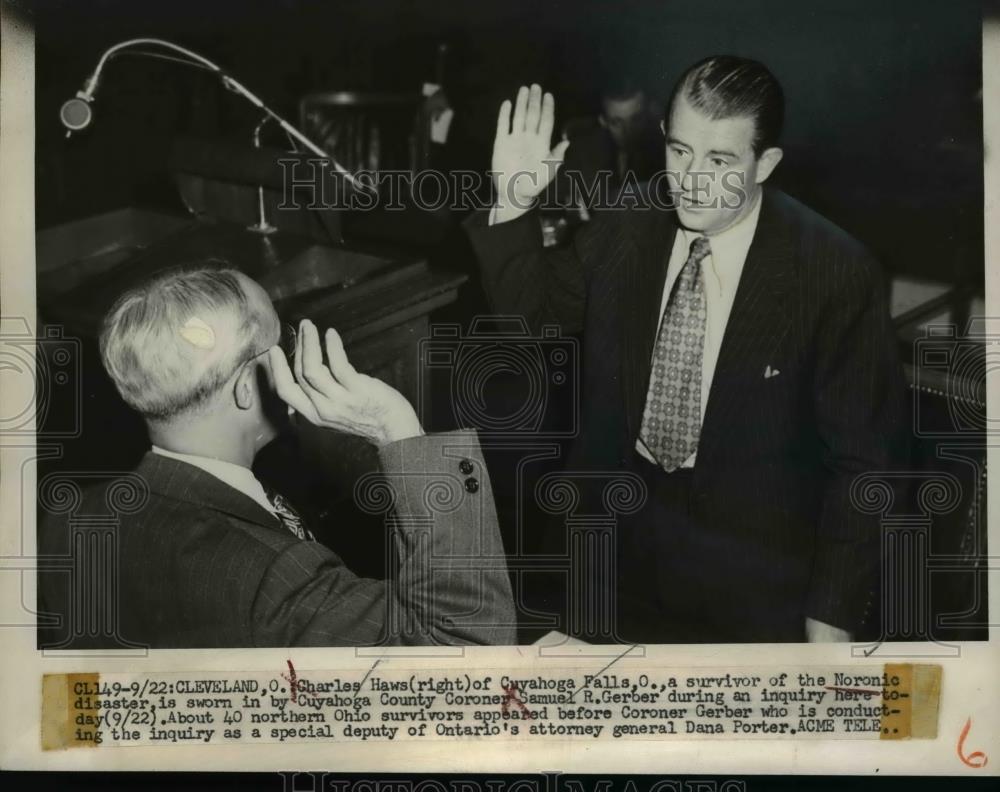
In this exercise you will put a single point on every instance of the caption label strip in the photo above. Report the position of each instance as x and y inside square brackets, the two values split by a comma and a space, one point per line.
[890, 702]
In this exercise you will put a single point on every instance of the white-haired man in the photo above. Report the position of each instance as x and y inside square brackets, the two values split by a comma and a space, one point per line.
[212, 558]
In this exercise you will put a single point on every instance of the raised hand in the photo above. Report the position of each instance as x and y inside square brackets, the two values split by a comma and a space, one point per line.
[338, 396]
[820, 632]
[523, 162]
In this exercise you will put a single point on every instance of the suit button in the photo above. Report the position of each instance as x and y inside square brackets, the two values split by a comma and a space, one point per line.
[466, 467]
[471, 485]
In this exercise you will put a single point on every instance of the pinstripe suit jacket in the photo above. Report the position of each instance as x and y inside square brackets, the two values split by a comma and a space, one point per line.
[777, 455]
[200, 564]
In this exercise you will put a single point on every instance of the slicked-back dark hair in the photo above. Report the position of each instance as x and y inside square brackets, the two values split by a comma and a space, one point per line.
[725, 86]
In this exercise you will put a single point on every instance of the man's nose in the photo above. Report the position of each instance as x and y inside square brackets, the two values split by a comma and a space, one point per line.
[700, 183]
[676, 177]
[687, 180]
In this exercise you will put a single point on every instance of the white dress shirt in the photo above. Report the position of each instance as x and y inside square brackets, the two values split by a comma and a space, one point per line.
[236, 476]
[723, 268]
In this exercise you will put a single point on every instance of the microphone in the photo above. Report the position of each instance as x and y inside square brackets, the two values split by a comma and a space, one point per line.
[76, 114]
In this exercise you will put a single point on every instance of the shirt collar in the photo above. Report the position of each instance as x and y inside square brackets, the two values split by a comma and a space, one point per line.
[236, 476]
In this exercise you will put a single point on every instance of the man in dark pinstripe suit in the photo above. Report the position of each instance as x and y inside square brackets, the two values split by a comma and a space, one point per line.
[206, 557]
[738, 356]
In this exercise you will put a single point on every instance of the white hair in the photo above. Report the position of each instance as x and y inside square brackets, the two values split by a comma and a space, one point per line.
[163, 356]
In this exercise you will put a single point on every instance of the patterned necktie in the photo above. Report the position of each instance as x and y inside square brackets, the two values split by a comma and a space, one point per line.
[671, 420]
[287, 516]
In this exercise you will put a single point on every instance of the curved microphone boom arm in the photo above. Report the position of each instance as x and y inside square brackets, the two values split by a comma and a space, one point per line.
[76, 112]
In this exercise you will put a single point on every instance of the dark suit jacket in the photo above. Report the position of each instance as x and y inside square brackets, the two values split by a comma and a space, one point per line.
[199, 564]
[777, 455]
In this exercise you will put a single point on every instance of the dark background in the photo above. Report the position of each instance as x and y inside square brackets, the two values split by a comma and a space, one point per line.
[332, 780]
[884, 109]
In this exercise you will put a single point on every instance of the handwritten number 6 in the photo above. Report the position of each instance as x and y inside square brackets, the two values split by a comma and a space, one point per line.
[976, 758]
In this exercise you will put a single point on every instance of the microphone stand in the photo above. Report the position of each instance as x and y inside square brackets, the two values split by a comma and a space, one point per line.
[228, 81]
[262, 226]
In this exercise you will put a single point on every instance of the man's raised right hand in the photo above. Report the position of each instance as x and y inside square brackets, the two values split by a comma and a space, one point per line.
[523, 162]
[336, 395]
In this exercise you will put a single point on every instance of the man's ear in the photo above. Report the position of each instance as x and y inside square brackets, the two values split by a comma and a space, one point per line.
[767, 162]
[663, 127]
[244, 387]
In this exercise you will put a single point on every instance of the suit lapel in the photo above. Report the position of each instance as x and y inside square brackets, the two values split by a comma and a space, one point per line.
[181, 481]
[757, 324]
[644, 273]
